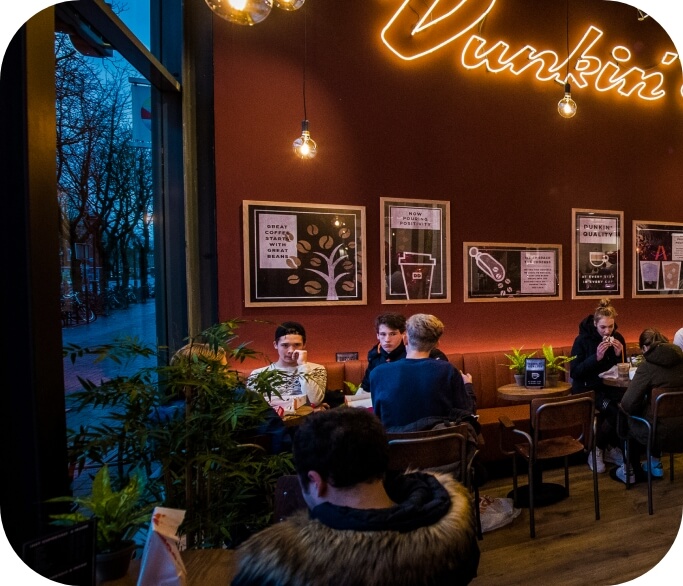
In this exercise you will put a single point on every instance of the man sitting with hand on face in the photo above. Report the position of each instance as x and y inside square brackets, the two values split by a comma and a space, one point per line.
[297, 375]
[364, 525]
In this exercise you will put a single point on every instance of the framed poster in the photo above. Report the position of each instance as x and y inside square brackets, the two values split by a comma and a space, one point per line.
[513, 272]
[303, 254]
[415, 251]
[597, 254]
[657, 257]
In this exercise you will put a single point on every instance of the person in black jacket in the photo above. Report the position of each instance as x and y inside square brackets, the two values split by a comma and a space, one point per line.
[598, 347]
[364, 524]
[390, 347]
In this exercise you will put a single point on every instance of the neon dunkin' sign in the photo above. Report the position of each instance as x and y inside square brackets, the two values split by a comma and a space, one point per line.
[432, 33]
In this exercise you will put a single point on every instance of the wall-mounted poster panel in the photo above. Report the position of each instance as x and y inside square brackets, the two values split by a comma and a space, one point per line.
[415, 251]
[597, 253]
[303, 254]
[657, 258]
[512, 272]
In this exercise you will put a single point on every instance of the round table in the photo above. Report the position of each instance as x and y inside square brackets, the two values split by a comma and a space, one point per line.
[620, 383]
[514, 392]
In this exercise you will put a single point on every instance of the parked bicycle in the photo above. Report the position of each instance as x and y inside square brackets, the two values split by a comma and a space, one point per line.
[74, 311]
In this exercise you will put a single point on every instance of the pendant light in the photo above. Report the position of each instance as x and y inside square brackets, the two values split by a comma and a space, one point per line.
[289, 5]
[244, 12]
[566, 106]
[304, 146]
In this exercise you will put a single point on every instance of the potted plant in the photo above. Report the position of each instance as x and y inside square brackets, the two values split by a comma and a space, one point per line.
[119, 515]
[190, 420]
[554, 365]
[517, 362]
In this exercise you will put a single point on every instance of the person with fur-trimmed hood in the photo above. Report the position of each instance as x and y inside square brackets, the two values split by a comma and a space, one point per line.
[364, 526]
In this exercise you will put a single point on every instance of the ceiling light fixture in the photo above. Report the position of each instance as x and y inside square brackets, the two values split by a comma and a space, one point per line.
[566, 106]
[304, 146]
[250, 12]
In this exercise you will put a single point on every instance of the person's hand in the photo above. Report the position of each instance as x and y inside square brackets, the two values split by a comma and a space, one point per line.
[466, 378]
[321, 407]
[618, 347]
[602, 348]
[300, 356]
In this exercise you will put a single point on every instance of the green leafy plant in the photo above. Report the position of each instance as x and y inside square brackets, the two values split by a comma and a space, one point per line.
[517, 360]
[353, 388]
[119, 514]
[192, 421]
[554, 364]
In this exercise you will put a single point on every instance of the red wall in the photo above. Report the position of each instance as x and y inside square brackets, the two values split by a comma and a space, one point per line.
[492, 144]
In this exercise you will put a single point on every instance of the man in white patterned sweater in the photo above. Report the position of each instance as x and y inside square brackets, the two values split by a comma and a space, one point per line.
[298, 376]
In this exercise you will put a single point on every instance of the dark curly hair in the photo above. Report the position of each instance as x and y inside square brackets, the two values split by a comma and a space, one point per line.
[345, 445]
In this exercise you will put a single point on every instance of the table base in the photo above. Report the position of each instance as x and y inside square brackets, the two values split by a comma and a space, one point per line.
[547, 493]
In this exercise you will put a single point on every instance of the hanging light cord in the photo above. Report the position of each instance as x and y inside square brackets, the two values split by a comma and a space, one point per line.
[566, 77]
[305, 56]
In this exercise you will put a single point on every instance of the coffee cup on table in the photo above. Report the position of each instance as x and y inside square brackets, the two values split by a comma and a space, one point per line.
[622, 370]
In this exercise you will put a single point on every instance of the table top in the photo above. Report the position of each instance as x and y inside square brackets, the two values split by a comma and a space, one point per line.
[514, 392]
[621, 383]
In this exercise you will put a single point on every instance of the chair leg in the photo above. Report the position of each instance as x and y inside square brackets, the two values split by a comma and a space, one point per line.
[650, 509]
[532, 522]
[596, 493]
[514, 480]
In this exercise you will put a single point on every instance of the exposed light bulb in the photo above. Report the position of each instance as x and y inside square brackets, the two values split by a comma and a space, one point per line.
[305, 146]
[566, 106]
[289, 5]
[244, 12]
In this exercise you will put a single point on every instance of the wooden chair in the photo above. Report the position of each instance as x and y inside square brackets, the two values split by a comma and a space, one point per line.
[443, 450]
[666, 404]
[560, 427]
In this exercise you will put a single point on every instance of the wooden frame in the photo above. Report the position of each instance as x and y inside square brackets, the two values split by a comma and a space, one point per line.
[597, 254]
[303, 254]
[657, 258]
[511, 272]
[415, 249]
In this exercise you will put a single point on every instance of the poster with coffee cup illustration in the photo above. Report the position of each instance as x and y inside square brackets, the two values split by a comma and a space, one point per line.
[597, 253]
[512, 272]
[415, 251]
[303, 254]
[657, 258]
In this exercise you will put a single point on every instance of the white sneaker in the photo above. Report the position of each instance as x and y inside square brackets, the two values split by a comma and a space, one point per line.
[613, 455]
[600, 464]
[621, 475]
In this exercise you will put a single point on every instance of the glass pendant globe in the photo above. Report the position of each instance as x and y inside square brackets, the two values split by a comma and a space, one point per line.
[289, 5]
[305, 146]
[243, 12]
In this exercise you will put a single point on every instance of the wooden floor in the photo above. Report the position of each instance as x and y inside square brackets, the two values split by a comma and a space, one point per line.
[571, 547]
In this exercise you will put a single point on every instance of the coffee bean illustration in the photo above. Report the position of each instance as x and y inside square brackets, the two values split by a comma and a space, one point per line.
[315, 262]
[326, 242]
[303, 246]
[344, 232]
[348, 286]
[293, 262]
[313, 287]
[312, 229]
[293, 279]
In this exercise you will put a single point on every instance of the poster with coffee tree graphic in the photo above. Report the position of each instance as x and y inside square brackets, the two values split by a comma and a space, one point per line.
[303, 254]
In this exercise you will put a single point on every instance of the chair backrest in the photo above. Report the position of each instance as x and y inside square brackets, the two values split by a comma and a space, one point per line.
[434, 448]
[573, 414]
[666, 403]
